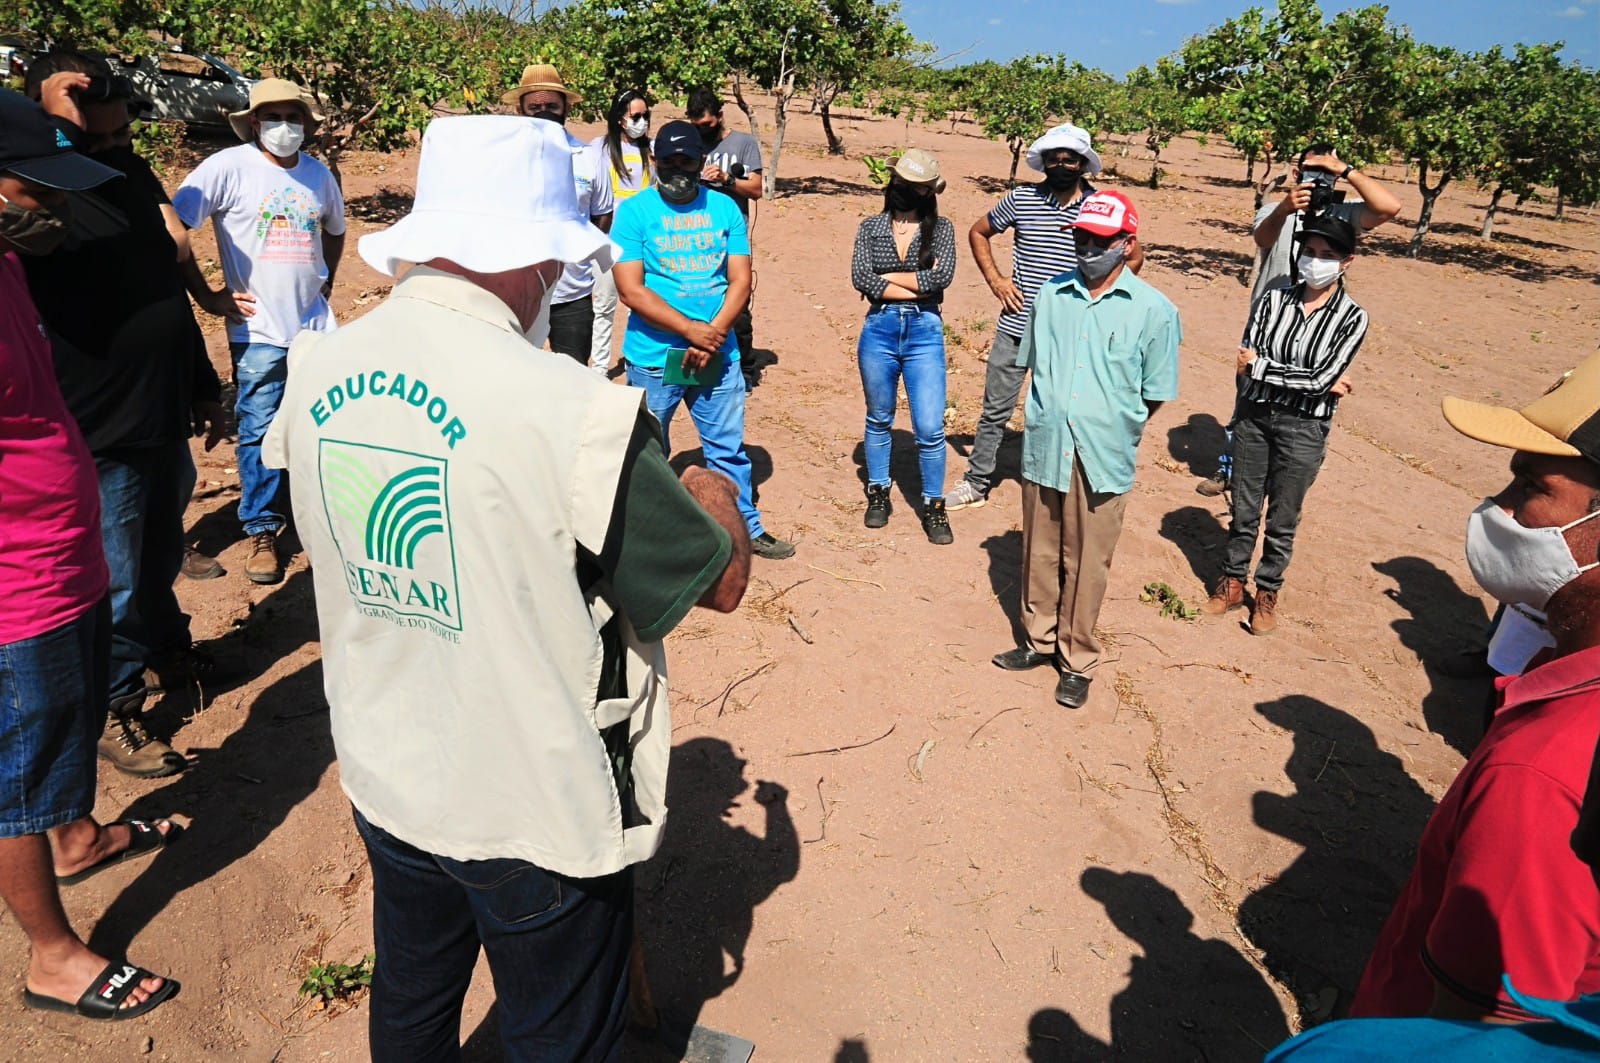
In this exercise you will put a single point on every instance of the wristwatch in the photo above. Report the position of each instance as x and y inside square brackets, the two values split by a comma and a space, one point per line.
[1348, 170]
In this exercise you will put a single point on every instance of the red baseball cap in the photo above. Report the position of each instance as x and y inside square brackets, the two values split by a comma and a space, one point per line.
[1107, 214]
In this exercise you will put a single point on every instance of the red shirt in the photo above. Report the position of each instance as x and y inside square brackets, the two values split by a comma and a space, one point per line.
[1496, 888]
[52, 561]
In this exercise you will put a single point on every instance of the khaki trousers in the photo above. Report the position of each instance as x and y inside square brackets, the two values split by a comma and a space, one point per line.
[1067, 543]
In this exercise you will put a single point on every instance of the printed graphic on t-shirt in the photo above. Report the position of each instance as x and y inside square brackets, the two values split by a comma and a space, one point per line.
[389, 513]
[287, 226]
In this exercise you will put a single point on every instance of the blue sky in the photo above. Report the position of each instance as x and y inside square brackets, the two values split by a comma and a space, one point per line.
[1122, 34]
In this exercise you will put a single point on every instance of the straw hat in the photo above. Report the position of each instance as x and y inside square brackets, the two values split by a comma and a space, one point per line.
[494, 193]
[274, 90]
[540, 77]
[1564, 421]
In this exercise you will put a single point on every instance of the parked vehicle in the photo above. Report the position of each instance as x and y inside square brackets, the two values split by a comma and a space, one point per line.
[197, 89]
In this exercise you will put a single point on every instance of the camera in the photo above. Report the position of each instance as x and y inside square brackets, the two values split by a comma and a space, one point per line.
[105, 89]
[1323, 193]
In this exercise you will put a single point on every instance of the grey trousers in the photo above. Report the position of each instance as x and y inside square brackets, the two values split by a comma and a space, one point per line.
[1277, 454]
[1002, 383]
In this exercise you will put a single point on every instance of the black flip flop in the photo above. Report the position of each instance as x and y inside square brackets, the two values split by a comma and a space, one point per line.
[145, 838]
[102, 1001]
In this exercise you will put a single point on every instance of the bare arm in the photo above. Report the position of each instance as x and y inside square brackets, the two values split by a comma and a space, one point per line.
[749, 186]
[1296, 199]
[178, 231]
[978, 238]
[235, 306]
[1378, 203]
[332, 252]
[603, 222]
[717, 495]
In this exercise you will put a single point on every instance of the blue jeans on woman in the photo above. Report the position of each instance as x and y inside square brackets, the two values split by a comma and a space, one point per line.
[907, 341]
[558, 948]
[718, 415]
[260, 371]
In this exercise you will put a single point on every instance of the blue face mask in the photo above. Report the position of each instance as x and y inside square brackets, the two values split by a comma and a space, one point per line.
[1096, 263]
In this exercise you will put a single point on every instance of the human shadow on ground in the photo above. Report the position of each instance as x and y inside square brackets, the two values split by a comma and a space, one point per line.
[1008, 459]
[1444, 620]
[698, 895]
[1198, 443]
[1202, 260]
[818, 185]
[1357, 815]
[383, 207]
[1201, 536]
[1005, 577]
[905, 472]
[1478, 257]
[994, 186]
[1187, 998]
[236, 795]
[760, 463]
[852, 1050]
[760, 360]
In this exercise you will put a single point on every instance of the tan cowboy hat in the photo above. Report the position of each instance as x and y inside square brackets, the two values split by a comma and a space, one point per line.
[919, 168]
[540, 77]
[274, 90]
[1565, 421]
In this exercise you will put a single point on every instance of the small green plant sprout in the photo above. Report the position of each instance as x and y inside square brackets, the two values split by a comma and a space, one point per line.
[1172, 607]
[878, 169]
[328, 982]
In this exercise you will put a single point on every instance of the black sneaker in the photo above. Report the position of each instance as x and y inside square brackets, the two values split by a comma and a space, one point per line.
[771, 547]
[936, 524]
[878, 506]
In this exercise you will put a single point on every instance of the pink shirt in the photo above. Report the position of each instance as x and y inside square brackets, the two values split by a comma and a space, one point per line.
[52, 562]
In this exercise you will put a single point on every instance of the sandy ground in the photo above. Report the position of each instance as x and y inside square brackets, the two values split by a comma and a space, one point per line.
[1190, 867]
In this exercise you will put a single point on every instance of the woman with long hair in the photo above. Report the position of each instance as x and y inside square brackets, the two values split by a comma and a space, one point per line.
[626, 149]
[904, 259]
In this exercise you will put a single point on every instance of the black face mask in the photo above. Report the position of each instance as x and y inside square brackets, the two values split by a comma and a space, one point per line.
[550, 116]
[33, 232]
[678, 186]
[1062, 178]
[904, 198]
[710, 136]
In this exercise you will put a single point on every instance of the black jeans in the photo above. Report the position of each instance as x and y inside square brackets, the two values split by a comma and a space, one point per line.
[572, 328]
[558, 948]
[1276, 456]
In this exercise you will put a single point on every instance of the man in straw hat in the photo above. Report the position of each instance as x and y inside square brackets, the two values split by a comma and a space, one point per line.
[542, 95]
[1497, 892]
[279, 221]
[499, 547]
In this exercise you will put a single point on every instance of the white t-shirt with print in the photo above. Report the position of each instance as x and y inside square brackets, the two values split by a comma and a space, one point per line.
[269, 223]
[595, 200]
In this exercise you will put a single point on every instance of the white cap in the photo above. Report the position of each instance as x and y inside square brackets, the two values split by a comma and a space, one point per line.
[1068, 136]
[494, 193]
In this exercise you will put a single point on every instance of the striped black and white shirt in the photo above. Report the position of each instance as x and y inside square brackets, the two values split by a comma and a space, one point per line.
[1299, 356]
[876, 254]
[1041, 247]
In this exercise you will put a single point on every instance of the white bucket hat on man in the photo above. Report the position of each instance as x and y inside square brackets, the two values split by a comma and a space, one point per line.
[494, 193]
[1068, 136]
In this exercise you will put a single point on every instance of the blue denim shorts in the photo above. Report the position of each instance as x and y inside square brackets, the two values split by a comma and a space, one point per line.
[52, 710]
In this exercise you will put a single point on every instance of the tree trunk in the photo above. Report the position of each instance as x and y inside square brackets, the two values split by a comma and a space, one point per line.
[1250, 169]
[1016, 156]
[1487, 232]
[1425, 219]
[782, 117]
[1155, 162]
[744, 105]
[1561, 204]
[835, 145]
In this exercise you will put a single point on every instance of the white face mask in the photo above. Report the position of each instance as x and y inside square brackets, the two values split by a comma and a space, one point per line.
[1517, 565]
[283, 139]
[636, 127]
[539, 331]
[1318, 272]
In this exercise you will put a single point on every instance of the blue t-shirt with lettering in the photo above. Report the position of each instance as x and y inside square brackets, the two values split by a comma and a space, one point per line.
[685, 253]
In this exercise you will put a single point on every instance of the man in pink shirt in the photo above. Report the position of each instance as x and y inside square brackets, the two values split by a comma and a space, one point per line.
[55, 625]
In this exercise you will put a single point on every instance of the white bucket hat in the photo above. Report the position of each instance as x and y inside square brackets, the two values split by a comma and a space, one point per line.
[494, 193]
[1068, 136]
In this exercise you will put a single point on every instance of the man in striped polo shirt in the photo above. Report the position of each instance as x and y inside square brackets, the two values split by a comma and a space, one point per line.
[1291, 375]
[1042, 215]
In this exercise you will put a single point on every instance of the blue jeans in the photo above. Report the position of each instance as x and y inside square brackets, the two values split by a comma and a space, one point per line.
[260, 371]
[558, 948]
[52, 708]
[143, 492]
[904, 341]
[718, 414]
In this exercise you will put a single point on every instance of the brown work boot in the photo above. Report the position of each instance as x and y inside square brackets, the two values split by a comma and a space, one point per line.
[1264, 613]
[1228, 595]
[198, 566]
[132, 751]
[261, 564]
[188, 667]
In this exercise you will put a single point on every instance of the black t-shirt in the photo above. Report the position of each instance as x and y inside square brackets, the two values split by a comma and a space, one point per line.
[128, 354]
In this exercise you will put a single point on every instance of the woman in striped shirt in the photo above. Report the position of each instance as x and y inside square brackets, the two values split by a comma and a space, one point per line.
[1291, 375]
[904, 259]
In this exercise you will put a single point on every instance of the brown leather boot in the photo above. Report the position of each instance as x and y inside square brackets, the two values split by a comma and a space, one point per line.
[1264, 614]
[261, 563]
[1228, 595]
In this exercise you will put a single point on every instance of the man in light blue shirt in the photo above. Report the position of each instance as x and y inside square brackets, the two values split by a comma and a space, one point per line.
[1103, 347]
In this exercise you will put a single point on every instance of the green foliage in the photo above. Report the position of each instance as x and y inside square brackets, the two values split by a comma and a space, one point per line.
[338, 981]
[878, 169]
[1172, 606]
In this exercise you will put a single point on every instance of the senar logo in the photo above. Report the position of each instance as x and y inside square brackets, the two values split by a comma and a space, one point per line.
[389, 513]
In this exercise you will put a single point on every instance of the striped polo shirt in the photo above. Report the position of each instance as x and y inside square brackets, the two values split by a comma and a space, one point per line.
[1042, 246]
[1300, 356]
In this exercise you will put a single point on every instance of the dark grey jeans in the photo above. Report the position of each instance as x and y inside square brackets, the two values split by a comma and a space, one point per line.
[1277, 454]
[1002, 383]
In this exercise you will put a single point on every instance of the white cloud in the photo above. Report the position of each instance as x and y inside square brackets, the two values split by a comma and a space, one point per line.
[996, 21]
[1574, 11]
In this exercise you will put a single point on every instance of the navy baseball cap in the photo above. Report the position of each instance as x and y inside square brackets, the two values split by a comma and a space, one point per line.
[35, 149]
[679, 138]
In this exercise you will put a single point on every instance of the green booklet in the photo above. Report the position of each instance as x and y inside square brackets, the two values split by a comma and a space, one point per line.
[708, 375]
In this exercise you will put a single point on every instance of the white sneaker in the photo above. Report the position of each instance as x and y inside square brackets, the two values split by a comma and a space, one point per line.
[965, 496]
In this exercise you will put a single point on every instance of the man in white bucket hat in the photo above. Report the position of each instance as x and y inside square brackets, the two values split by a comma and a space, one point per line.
[499, 546]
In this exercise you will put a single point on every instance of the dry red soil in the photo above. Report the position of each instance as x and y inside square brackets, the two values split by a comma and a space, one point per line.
[1190, 867]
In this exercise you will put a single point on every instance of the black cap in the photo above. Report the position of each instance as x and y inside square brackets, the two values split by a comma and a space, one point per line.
[35, 149]
[1340, 234]
[679, 138]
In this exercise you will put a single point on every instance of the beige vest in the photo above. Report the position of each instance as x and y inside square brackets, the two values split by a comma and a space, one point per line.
[444, 473]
